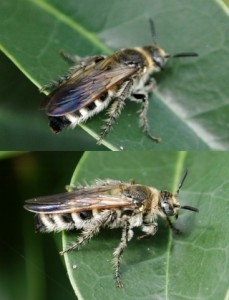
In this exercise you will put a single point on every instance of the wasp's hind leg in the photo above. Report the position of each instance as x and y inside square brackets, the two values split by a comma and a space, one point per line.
[81, 61]
[90, 230]
[72, 59]
[127, 235]
[116, 109]
[54, 84]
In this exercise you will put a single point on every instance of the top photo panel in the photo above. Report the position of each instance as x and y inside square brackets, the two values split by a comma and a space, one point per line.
[114, 75]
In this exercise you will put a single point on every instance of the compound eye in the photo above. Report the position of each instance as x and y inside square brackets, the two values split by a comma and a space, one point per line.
[167, 209]
[159, 61]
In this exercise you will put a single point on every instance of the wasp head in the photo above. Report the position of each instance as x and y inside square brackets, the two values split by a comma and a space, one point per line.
[158, 55]
[169, 203]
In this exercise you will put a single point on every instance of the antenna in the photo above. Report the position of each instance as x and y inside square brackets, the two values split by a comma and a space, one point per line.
[153, 31]
[178, 190]
[190, 208]
[182, 181]
[185, 54]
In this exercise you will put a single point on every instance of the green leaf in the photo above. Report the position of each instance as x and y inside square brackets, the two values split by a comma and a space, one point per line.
[226, 2]
[189, 109]
[191, 265]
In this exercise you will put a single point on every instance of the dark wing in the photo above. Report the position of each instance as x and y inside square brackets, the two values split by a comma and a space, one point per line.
[69, 203]
[83, 88]
[95, 198]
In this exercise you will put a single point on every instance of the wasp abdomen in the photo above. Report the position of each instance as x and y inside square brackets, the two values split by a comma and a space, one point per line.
[59, 222]
[83, 114]
[57, 124]
[54, 222]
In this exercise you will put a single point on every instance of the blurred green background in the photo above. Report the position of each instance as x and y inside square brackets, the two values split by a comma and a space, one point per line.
[30, 266]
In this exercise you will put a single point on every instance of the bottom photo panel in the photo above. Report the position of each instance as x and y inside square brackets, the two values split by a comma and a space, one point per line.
[114, 225]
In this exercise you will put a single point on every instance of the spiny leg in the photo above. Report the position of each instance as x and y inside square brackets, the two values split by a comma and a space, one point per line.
[98, 185]
[72, 59]
[92, 229]
[143, 98]
[114, 113]
[144, 120]
[116, 109]
[80, 64]
[55, 83]
[78, 60]
[127, 234]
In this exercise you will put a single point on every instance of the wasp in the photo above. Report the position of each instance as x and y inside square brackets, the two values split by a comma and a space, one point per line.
[111, 204]
[94, 82]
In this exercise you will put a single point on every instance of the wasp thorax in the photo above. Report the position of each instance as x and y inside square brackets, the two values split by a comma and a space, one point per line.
[169, 203]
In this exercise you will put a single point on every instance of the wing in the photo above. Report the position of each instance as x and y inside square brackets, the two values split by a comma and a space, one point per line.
[93, 198]
[69, 203]
[83, 88]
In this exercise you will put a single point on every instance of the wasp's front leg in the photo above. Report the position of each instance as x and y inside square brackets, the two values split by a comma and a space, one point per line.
[149, 229]
[174, 229]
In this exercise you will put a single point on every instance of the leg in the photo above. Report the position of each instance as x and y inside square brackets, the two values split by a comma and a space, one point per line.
[92, 229]
[115, 109]
[77, 60]
[72, 59]
[55, 83]
[149, 229]
[80, 64]
[150, 86]
[143, 98]
[98, 185]
[176, 230]
[127, 234]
